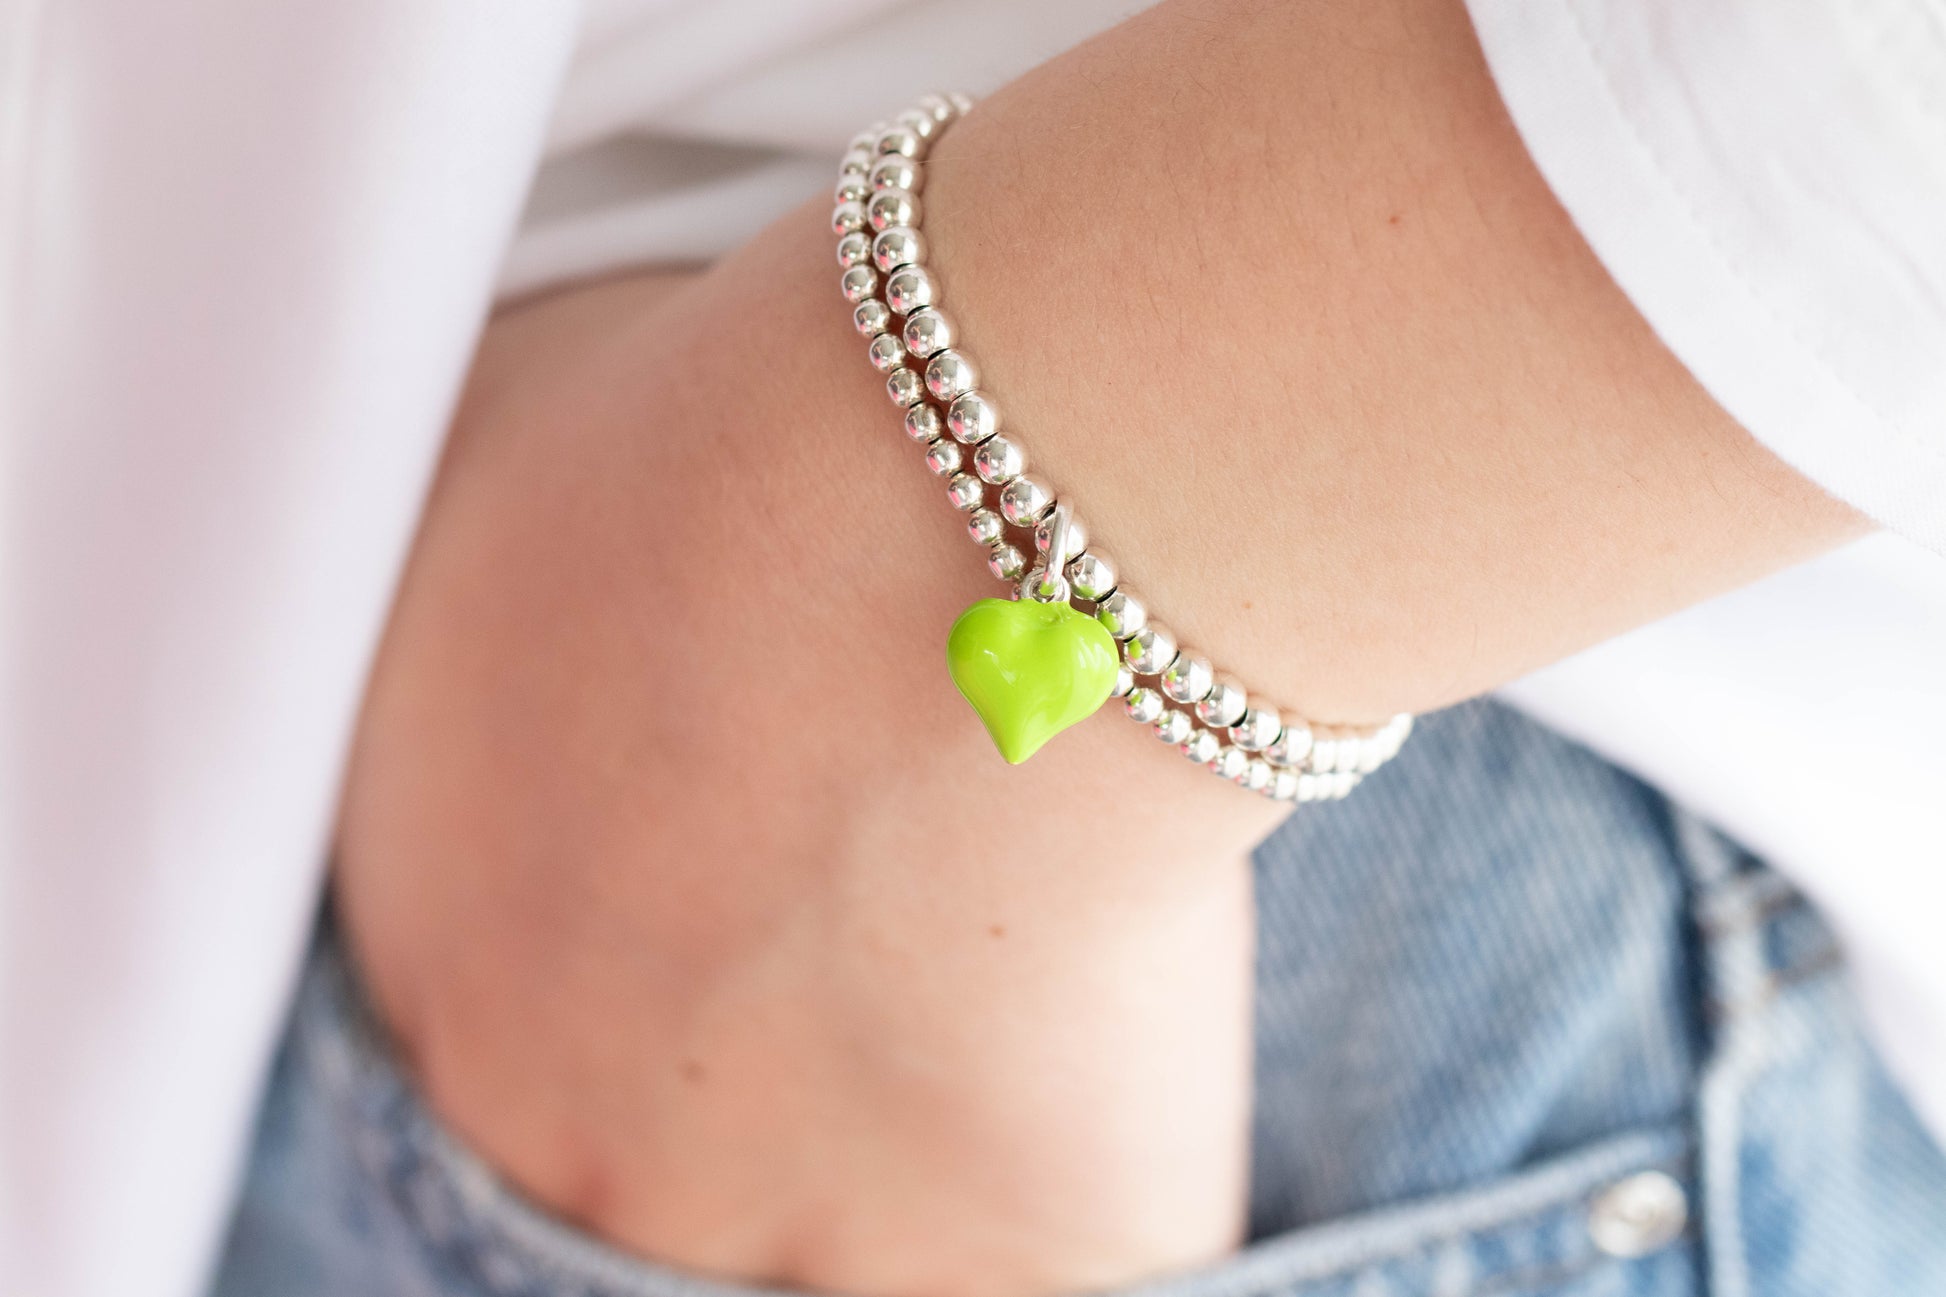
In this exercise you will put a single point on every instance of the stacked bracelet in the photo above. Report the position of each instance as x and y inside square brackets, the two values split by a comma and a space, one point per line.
[1072, 634]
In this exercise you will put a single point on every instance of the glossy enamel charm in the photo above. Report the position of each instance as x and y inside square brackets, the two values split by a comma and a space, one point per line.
[1030, 669]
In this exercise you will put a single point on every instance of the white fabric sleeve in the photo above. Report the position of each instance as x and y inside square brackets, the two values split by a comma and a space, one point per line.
[1766, 180]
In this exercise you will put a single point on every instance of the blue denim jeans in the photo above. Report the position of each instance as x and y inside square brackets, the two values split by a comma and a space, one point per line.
[1523, 1027]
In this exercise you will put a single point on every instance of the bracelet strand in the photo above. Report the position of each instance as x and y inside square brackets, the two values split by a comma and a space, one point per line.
[897, 307]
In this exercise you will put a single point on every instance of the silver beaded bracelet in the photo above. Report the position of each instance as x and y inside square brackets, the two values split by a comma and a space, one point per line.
[1070, 635]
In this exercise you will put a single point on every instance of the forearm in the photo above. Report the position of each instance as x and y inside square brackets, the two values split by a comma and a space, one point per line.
[701, 902]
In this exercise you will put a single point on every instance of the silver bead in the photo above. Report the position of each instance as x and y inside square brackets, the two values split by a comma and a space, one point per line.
[857, 162]
[942, 456]
[898, 246]
[965, 492]
[1122, 613]
[847, 218]
[999, 461]
[1323, 756]
[973, 417]
[852, 189]
[857, 283]
[1124, 681]
[961, 104]
[1150, 650]
[1024, 500]
[1005, 562]
[897, 172]
[1144, 705]
[1044, 530]
[938, 107]
[871, 316]
[905, 387]
[1188, 679]
[1307, 788]
[1092, 576]
[1201, 747]
[889, 207]
[1172, 727]
[928, 332]
[919, 122]
[866, 141]
[985, 527]
[1291, 747]
[1224, 706]
[1257, 729]
[922, 423]
[950, 375]
[907, 289]
[1229, 762]
[885, 352]
[1371, 752]
[1341, 782]
[1349, 752]
[1256, 775]
[901, 141]
[1283, 785]
[854, 250]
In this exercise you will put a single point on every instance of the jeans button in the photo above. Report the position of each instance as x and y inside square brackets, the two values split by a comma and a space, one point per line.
[1638, 1215]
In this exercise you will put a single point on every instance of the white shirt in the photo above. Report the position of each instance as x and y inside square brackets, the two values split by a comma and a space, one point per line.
[244, 251]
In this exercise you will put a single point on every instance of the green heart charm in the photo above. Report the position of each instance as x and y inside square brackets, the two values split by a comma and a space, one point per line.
[1030, 669]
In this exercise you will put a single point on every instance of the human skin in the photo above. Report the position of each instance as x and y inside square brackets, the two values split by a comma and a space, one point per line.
[695, 898]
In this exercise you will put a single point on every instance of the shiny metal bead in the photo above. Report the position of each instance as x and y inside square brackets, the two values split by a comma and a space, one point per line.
[928, 332]
[972, 417]
[857, 162]
[1350, 751]
[1092, 576]
[857, 283]
[866, 141]
[852, 189]
[897, 172]
[1291, 747]
[1144, 705]
[1188, 679]
[1201, 747]
[922, 423]
[897, 246]
[1338, 783]
[1307, 788]
[1150, 650]
[1024, 500]
[937, 106]
[1256, 775]
[1229, 762]
[1122, 613]
[1172, 727]
[847, 218]
[905, 387]
[961, 104]
[901, 141]
[1124, 681]
[965, 492]
[950, 375]
[854, 250]
[919, 122]
[885, 352]
[942, 456]
[1256, 729]
[1044, 530]
[890, 207]
[1006, 562]
[1323, 756]
[871, 316]
[1224, 706]
[1371, 752]
[1283, 785]
[999, 461]
[908, 288]
[985, 527]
